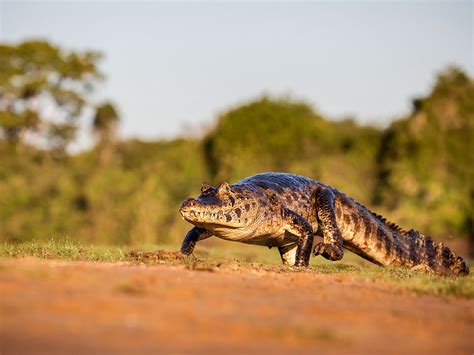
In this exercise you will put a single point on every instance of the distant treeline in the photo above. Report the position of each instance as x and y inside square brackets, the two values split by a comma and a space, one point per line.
[418, 172]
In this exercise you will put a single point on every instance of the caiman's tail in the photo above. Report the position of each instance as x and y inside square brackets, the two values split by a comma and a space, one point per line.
[437, 258]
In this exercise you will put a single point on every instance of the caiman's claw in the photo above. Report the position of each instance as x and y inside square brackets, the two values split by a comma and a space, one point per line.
[187, 248]
[328, 251]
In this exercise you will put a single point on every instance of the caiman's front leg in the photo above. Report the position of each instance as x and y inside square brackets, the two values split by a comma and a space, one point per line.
[299, 226]
[332, 247]
[194, 235]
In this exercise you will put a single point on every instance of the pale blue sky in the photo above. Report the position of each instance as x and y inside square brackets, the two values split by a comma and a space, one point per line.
[171, 65]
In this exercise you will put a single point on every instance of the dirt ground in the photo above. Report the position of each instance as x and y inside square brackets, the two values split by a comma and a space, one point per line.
[55, 307]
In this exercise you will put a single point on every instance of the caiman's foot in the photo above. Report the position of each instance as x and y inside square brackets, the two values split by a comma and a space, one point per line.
[188, 248]
[301, 263]
[328, 251]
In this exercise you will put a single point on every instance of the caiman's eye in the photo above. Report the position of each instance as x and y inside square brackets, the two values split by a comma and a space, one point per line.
[207, 189]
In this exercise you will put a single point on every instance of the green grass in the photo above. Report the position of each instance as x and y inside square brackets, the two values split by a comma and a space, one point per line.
[233, 256]
[62, 249]
[417, 281]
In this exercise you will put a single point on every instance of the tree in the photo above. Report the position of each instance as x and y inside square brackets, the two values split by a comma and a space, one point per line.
[104, 125]
[425, 159]
[105, 121]
[281, 134]
[43, 89]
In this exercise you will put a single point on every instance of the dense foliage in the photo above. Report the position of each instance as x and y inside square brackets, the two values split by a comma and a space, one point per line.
[283, 135]
[417, 172]
[131, 199]
[425, 164]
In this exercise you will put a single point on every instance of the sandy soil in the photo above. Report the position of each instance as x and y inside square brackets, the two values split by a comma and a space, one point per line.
[52, 307]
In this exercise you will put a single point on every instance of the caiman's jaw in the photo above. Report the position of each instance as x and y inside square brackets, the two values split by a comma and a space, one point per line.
[207, 216]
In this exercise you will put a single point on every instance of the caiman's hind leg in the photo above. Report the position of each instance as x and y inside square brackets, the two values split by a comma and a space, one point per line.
[194, 235]
[299, 226]
[331, 248]
[288, 254]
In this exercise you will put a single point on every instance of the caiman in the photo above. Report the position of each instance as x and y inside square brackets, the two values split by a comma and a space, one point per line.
[287, 211]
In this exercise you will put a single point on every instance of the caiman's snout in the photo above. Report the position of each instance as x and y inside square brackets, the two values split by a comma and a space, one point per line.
[187, 205]
[190, 209]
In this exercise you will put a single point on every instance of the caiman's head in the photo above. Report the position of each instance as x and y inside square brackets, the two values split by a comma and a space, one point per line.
[220, 207]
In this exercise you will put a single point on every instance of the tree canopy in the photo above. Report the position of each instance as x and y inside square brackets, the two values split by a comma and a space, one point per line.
[43, 89]
[426, 159]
